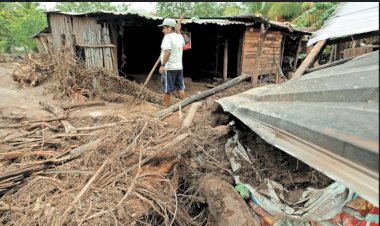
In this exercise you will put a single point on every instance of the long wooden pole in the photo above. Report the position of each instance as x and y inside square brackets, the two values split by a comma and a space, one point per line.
[163, 113]
[310, 59]
[178, 30]
[225, 62]
[148, 78]
[256, 65]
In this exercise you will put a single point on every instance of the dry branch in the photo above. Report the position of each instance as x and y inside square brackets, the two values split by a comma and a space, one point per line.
[58, 112]
[18, 154]
[92, 128]
[87, 104]
[42, 124]
[190, 115]
[81, 193]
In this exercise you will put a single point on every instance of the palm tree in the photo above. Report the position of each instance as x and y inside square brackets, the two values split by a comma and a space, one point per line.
[258, 8]
[315, 15]
[6, 6]
[284, 11]
[26, 6]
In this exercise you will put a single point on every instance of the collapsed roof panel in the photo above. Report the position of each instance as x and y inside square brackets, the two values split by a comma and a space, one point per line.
[328, 119]
[349, 18]
[247, 20]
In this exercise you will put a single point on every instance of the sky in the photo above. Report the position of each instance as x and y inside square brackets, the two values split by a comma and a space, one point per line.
[134, 6]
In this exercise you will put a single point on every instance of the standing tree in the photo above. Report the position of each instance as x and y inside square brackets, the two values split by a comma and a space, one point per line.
[232, 9]
[285, 11]
[18, 23]
[258, 8]
[315, 14]
[26, 21]
[208, 9]
[201, 9]
[174, 9]
[83, 7]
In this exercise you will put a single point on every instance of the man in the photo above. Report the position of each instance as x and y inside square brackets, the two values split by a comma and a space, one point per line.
[171, 69]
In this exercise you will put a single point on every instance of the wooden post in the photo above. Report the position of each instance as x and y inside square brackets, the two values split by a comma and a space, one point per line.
[332, 53]
[256, 66]
[297, 54]
[310, 59]
[73, 44]
[337, 52]
[217, 57]
[225, 62]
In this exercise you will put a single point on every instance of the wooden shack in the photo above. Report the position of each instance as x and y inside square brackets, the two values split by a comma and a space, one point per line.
[130, 43]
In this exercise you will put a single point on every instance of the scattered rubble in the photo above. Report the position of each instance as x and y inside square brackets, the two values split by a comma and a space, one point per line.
[134, 169]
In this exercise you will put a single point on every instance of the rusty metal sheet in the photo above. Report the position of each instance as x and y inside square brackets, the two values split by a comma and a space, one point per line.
[329, 119]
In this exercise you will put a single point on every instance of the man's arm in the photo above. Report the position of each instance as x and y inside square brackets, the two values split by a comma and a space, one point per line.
[166, 56]
[178, 26]
[164, 61]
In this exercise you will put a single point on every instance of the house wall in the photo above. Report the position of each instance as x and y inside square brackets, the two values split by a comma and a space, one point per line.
[73, 32]
[271, 50]
[43, 43]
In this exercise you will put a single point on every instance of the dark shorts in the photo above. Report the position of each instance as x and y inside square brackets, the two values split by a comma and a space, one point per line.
[172, 80]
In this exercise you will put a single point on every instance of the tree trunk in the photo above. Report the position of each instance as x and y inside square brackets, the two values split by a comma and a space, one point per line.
[161, 114]
[225, 204]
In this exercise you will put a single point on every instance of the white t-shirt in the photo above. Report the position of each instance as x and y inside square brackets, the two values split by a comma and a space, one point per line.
[175, 43]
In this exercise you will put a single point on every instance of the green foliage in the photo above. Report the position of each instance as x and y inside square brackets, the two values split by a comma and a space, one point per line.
[285, 10]
[174, 9]
[232, 9]
[208, 9]
[201, 9]
[82, 7]
[258, 8]
[19, 21]
[315, 15]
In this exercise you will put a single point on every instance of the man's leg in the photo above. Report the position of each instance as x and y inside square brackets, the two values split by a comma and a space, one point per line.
[180, 84]
[168, 87]
[181, 94]
[167, 100]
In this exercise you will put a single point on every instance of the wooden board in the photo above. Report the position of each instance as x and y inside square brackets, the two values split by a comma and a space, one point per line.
[353, 52]
[269, 52]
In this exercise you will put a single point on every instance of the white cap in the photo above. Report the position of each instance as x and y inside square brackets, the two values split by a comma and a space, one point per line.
[168, 22]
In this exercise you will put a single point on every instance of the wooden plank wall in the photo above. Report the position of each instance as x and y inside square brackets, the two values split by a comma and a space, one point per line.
[358, 51]
[60, 24]
[86, 31]
[40, 47]
[271, 49]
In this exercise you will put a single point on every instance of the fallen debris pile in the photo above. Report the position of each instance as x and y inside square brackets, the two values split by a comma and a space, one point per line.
[128, 173]
[139, 170]
[69, 77]
[33, 73]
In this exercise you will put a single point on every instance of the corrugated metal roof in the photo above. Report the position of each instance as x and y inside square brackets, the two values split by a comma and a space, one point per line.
[328, 119]
[44, 30]
[100, 12]
[348, 19]
[247, 20]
